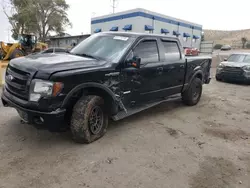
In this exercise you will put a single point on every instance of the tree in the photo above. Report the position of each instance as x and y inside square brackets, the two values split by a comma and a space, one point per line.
[244, 41]
[17, 16]
[38, 16]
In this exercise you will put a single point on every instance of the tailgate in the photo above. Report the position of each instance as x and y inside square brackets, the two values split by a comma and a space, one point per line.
[206, 66]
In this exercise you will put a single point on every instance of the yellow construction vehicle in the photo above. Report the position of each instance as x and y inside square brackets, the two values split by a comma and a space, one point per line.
[27, 44]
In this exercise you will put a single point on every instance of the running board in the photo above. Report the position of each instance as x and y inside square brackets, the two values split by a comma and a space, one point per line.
[131, 111]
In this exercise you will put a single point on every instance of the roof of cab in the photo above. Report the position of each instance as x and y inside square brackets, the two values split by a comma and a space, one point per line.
[133, 34]
[240, 53]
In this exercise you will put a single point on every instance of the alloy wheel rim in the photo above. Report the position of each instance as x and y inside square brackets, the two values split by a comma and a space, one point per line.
[197, 91]
[96, 120]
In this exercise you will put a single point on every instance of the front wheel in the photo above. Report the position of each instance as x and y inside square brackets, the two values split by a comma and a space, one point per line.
[89, 121]
[193, 94]
[218, 78]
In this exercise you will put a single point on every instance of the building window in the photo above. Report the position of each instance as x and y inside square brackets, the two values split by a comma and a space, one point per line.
[127, 27]
[195, 38]
[149, 28]
[115, 28]
[98, 30]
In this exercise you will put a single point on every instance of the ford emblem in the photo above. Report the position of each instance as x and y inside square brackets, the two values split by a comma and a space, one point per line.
[10, 77]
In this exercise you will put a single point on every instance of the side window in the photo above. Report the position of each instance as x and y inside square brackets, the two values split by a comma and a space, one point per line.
[247, 59]
[172, 51]
[147, 51]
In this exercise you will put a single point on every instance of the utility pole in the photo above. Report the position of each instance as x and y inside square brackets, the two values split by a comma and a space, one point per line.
[114, 5]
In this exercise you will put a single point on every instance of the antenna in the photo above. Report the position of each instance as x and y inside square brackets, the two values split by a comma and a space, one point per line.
[114, 5]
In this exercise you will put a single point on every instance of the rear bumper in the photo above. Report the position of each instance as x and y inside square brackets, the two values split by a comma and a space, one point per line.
[51, 120]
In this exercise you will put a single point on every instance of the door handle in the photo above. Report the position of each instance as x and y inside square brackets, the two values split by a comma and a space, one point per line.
[160, 70]
[182, 66]
[171, 67]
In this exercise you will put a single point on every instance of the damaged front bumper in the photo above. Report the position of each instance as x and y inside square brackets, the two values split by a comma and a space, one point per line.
[52, 121]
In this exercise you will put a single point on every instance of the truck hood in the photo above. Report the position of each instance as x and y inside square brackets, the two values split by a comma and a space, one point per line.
[50, 63]
[234, 64]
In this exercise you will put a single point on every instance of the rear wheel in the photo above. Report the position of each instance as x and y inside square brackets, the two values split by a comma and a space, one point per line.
[193, 94]
[89, 121]
[16, 53]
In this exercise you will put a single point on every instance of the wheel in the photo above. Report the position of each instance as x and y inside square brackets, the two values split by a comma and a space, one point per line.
[218, 78]
[16, 53]
[193, 94]
[89, 121]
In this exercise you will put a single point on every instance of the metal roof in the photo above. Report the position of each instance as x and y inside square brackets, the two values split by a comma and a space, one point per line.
[147, 14]
[134, 34]
[72, 36]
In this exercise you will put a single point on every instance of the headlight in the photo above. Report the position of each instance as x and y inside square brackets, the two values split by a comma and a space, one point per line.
[41, 88]
[246, 68]
[221, 65]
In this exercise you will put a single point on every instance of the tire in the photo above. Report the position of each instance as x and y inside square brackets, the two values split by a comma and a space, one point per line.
[218, 78]
[82, 129]
[193, 94]
[16, 53]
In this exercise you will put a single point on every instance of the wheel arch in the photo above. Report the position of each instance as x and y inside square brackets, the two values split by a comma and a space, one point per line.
[197, 74]
[92, 89]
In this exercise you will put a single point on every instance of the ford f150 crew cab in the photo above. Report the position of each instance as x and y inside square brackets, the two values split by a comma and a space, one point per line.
[108, 75]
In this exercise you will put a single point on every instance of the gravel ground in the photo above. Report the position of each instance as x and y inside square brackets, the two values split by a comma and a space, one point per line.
[171, 145]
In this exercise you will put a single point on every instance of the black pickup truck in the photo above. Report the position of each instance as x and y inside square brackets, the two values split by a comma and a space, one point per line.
[108, 75]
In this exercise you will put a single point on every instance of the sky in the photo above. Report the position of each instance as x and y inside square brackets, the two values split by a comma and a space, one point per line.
[211, 14]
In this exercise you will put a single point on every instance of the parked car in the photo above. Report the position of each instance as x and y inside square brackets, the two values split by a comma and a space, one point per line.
[226, 47]
[191, 51]
[235, 68]
[55, 50]
[108, 75]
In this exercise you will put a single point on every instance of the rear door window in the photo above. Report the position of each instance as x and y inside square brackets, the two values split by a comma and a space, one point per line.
[172, 51]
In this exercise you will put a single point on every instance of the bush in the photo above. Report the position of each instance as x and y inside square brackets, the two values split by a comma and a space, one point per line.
[217, 46]
[248, 45]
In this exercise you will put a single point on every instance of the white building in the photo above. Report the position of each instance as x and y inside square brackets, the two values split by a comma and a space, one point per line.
[141, 20]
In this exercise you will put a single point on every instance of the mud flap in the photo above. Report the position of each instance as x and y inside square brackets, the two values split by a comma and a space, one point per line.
[207, 81]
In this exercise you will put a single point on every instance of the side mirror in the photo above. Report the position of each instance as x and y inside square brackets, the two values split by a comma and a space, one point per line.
[135, 62]
[225, 59]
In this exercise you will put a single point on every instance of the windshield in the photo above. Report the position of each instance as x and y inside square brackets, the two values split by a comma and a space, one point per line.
[107, 47]
[27, 39]
[239, 58]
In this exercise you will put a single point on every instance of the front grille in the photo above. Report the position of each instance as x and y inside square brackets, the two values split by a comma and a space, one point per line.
[233, 70]
[16, 82]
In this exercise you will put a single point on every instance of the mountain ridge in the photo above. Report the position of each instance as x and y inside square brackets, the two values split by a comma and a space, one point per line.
[226, 36]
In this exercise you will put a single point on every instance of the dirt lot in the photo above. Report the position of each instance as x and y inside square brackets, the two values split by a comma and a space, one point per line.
[205, 146]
